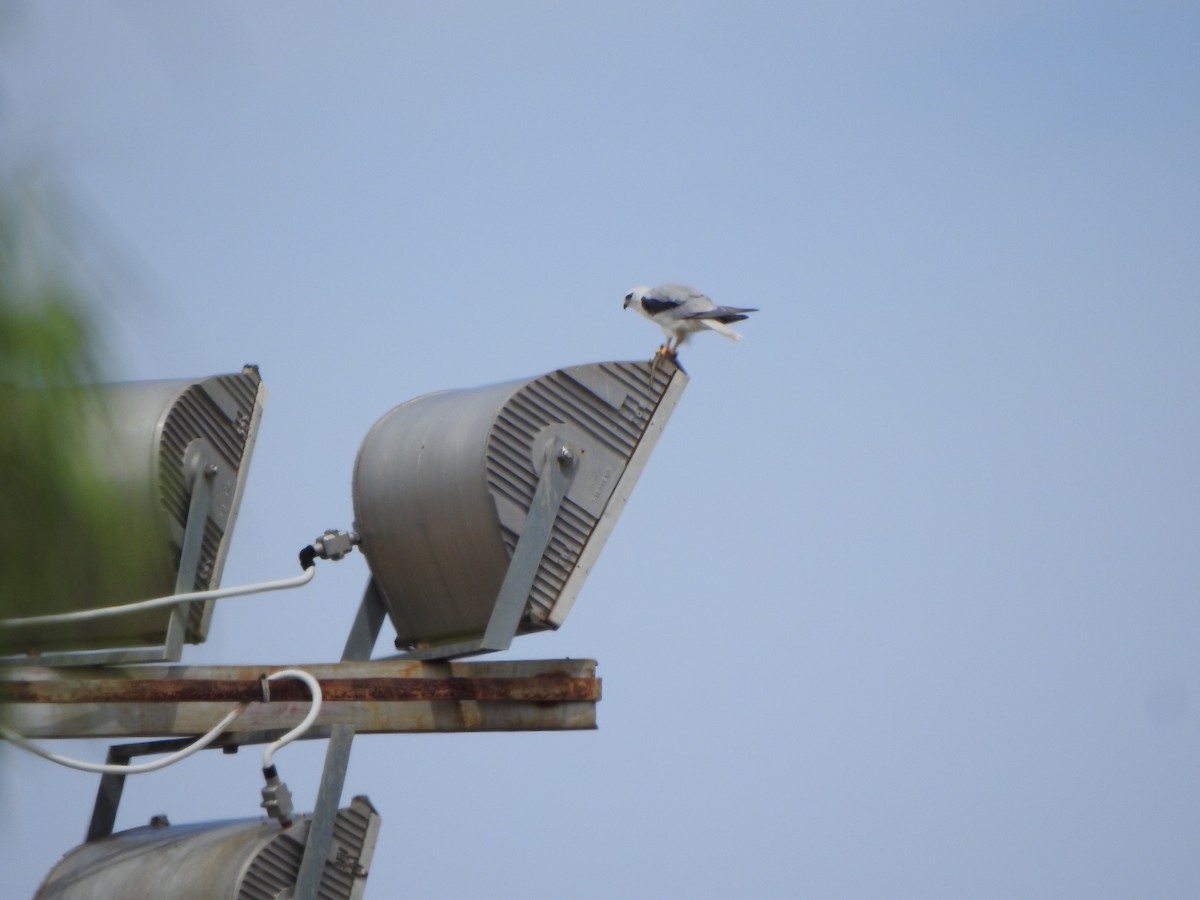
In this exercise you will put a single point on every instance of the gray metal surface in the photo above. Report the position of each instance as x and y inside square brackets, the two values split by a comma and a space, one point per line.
[247, 859]
[444, 484]
[173, 449]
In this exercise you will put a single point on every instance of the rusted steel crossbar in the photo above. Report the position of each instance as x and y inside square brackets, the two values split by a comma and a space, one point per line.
[546, 688]
[383, 696]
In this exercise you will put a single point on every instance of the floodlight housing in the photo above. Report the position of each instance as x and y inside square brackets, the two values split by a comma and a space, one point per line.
[481, 511]
[178, 453]
[240, 858]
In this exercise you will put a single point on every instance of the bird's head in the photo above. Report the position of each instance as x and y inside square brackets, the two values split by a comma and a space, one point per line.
[635, 296]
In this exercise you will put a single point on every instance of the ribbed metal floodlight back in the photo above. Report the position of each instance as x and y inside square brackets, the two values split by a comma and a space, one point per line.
[444, 485]
[164, 445]
[249, 859]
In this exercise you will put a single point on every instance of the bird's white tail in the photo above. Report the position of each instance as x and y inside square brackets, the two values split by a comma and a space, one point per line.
[722, 329]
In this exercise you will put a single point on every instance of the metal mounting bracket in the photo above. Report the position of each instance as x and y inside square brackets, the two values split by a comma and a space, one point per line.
[558, 471]
[199, 507]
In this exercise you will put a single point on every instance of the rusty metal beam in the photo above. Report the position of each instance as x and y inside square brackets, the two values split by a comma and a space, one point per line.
[385, 696]
[548, 688]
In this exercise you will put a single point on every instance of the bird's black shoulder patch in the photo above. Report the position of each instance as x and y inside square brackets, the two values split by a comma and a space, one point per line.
[655, 305]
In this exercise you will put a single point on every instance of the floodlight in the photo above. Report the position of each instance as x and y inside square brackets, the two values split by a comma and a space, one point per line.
[481, 512]
[241, 858]
[178, 453]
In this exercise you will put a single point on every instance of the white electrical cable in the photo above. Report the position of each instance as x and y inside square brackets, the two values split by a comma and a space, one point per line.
[200, 743]
[85, 615]
[314, 710]
[133, 768]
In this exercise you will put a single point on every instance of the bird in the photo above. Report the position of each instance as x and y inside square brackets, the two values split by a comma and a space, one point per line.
[680, 311]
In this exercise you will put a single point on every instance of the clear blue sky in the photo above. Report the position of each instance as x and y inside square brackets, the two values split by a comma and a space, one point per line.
[907, 601]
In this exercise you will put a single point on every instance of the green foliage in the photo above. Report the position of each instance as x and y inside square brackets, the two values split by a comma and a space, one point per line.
[61, 519]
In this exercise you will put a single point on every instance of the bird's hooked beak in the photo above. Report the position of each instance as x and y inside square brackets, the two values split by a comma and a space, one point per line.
[628, 300]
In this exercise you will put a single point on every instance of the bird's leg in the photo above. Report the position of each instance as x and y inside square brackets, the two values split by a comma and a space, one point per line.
[673, 352]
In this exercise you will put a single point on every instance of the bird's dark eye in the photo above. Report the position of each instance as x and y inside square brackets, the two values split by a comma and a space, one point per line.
[629, 296]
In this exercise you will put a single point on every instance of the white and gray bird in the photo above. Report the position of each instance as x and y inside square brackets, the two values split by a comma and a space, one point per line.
[680, 311]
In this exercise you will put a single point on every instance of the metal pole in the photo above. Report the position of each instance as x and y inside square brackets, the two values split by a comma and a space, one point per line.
[361, 641]
[108, 797]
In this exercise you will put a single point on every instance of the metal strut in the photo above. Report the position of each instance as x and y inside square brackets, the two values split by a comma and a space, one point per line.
[361, 641]
[112, 785]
